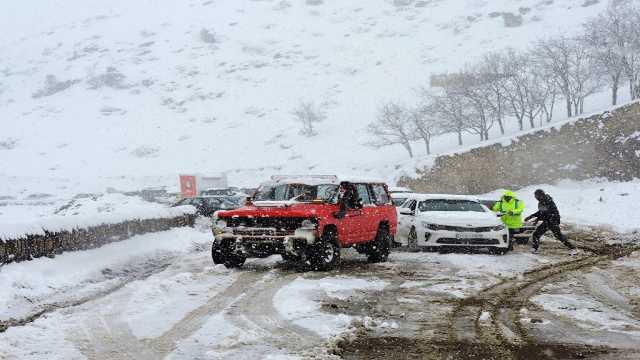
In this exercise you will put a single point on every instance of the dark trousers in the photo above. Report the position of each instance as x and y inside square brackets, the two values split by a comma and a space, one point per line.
[511, 233]
[555, 229]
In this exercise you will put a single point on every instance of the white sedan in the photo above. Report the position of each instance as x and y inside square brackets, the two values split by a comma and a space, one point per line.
[446, 221]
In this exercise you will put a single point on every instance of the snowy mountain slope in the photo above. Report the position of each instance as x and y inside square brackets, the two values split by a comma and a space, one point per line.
[124, 91]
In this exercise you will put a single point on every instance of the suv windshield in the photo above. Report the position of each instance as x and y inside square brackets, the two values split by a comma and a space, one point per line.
[298, 192]
[450, 205]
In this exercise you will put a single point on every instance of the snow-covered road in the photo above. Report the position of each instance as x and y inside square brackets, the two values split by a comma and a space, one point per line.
[178, 305]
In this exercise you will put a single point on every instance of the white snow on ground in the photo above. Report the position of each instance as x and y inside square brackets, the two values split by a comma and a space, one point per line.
[299, 302]
[588, 313]
[43, 340]
[597, 202]
[27, 285]
[161, 301]
[216, 334]
[86, 212]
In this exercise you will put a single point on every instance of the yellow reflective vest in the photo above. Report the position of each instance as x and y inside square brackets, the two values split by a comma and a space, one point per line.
[511, 210]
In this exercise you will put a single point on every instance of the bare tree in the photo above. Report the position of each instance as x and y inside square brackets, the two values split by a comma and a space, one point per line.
[632, 28]
[607, 38]
[573, 67]
[494, 77]
[451, 109]
[307, 114]
[392, 127]
[425, 123]
[481, 118]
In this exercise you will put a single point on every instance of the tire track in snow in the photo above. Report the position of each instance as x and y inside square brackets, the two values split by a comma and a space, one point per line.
[493, 316]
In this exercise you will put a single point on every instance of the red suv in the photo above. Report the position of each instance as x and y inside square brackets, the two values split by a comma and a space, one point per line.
[307, 220]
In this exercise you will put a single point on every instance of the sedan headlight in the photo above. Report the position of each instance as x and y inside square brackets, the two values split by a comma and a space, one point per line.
[498, 228]
[430, 226]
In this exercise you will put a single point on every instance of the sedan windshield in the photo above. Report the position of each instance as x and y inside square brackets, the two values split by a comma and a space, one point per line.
[450, 205]
[296, 192]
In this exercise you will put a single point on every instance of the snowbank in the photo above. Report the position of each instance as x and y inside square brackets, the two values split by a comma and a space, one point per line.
[87, 212]
[615, 205]
[27, 285]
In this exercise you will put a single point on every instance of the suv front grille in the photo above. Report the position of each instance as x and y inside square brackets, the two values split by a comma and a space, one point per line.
[261, 232]
[277, 223]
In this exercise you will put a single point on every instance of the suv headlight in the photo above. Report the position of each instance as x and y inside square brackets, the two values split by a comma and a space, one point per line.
[219, 226]
[309, 224]
[498, 228]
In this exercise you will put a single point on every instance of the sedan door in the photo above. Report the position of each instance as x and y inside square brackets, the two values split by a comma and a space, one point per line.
[405, 222]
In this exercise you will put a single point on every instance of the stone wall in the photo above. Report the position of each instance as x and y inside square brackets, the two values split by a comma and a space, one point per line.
[605, 145]
[52, 243]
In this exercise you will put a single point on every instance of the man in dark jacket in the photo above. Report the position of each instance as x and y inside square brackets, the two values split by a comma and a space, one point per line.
[550, 216]
[347, 199]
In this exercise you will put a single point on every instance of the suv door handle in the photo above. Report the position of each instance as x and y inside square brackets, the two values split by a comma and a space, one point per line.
[354, 213]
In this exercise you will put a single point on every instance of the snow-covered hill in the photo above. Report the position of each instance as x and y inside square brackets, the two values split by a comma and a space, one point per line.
[134, 92]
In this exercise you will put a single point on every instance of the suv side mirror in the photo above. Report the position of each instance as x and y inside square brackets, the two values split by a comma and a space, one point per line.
[407, 211]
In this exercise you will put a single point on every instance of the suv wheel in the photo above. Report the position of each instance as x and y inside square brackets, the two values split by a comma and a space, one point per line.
[379, 248]
[325, 253]
[499, 251]
[222, 254]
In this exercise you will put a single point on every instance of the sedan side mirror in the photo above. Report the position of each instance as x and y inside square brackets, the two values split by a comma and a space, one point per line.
[406, 211]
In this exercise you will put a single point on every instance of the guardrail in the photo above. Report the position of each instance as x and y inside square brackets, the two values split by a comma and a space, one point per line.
[51, 243]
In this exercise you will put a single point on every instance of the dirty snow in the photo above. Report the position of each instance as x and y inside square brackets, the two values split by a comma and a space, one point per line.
[588, 313]
[299, 302]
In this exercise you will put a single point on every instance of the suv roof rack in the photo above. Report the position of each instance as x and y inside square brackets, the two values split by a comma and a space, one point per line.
[297, 177]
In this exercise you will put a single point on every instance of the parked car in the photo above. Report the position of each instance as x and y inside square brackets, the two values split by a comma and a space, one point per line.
[399, 195]
[299, 218]
[446, 221]
[207, 205]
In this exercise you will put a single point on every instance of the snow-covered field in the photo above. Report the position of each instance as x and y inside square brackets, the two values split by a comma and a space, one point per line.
[142, 92]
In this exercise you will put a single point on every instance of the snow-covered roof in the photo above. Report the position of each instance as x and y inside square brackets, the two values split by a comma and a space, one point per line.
[399, 189]
[318, 180]
[421, 197]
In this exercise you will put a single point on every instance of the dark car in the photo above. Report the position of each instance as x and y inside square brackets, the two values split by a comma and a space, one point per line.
[206, 205]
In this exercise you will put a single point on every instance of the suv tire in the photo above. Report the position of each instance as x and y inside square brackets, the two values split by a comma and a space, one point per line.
[324, 254]
[498, 251]
[221, 254]
[379, 248]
